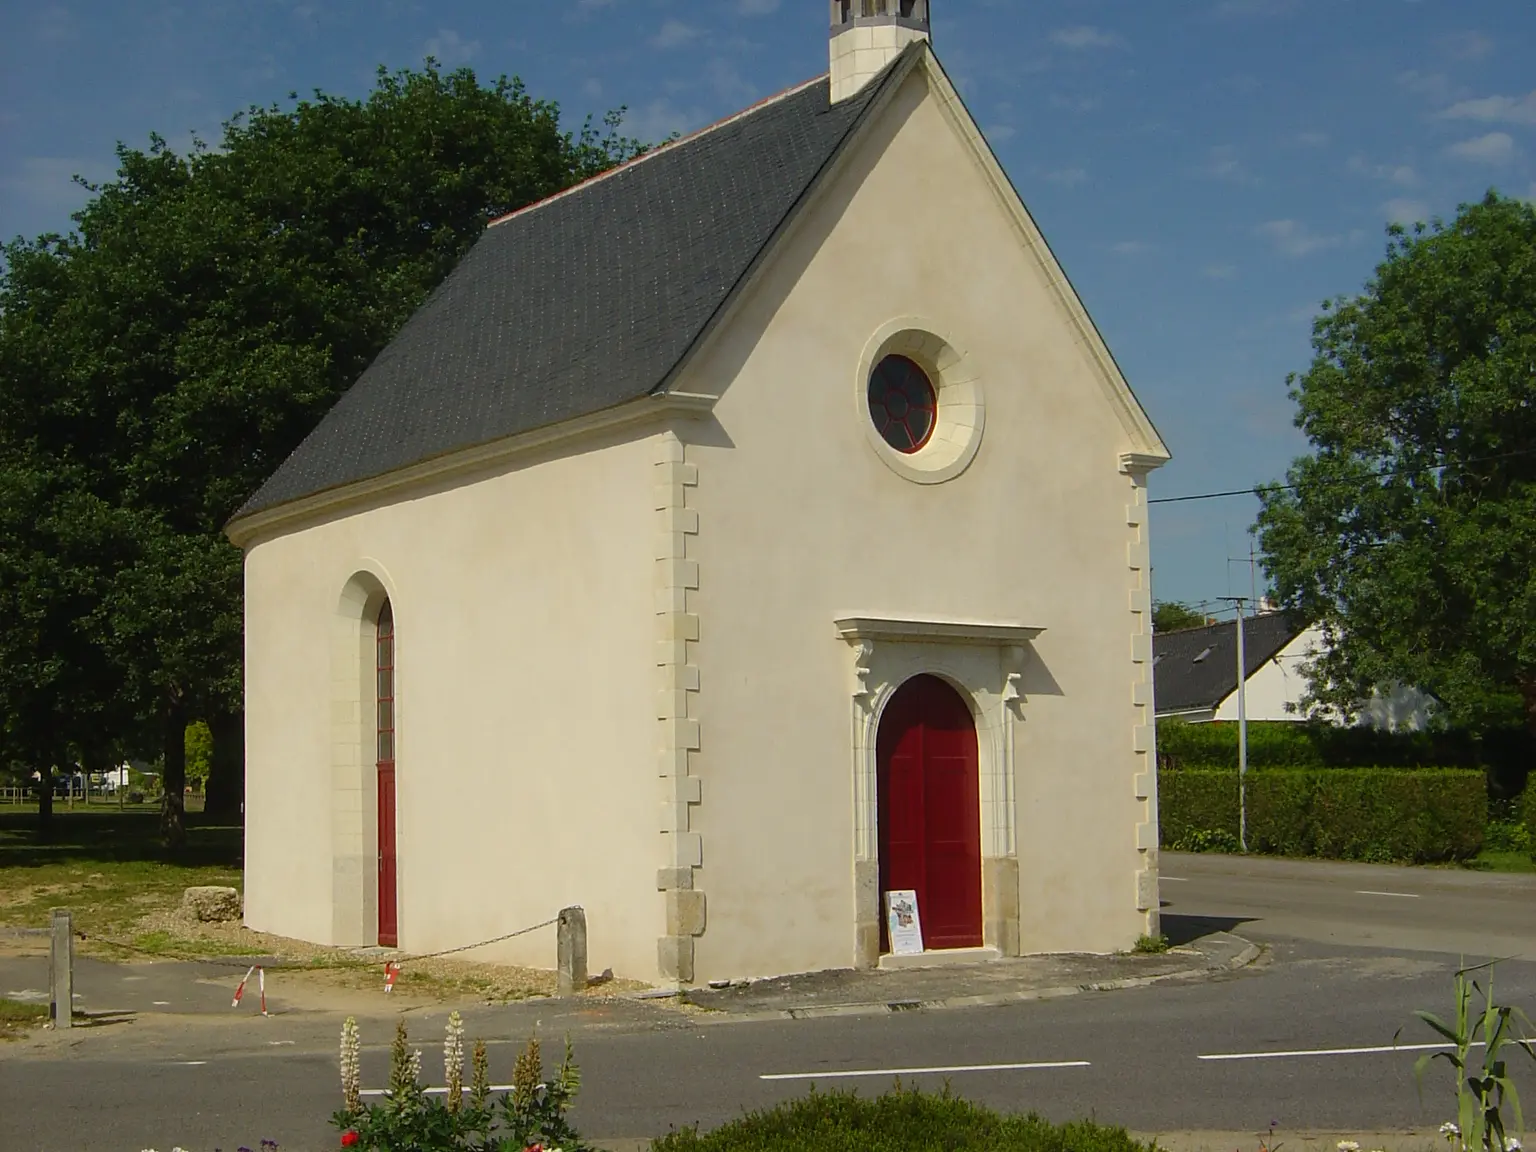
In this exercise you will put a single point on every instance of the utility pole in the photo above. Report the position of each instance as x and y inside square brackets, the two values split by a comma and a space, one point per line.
[1242, 727]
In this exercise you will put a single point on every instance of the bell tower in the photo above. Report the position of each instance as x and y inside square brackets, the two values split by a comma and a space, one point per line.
[867, 35]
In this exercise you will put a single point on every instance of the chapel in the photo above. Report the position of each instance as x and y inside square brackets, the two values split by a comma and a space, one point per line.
[737, 539]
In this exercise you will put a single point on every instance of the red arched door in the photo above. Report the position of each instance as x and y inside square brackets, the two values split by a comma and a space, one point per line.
[930, 811]
[389, 924]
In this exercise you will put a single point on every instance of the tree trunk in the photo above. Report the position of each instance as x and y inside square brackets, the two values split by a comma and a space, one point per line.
[226, 775]
[173, 814]
[45, 801]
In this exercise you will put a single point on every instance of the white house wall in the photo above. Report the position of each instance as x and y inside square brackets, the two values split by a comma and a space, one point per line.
[524, 613]
[1276, 691]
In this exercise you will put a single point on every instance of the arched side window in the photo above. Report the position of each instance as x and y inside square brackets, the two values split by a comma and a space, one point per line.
[385, 689]
[384, 696]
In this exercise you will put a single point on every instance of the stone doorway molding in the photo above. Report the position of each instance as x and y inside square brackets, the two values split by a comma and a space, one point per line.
[984, 662]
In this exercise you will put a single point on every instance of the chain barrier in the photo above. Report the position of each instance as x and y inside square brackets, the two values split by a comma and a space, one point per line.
[391, 965]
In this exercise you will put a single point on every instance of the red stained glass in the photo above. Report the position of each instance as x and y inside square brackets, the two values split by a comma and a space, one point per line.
[902, 403]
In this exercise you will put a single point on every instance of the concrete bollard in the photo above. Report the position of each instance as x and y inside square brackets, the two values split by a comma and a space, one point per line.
[571, 950]
[61, 969]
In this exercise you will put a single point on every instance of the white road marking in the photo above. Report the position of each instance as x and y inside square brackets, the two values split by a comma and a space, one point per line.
[191, 1063]
[1402, 895]
[429, 1091]
[1175, 879]
[833, 1075]
[1379, 1048]
[161, 1003]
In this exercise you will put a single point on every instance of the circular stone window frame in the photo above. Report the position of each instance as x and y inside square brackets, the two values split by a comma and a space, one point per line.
[961, 415]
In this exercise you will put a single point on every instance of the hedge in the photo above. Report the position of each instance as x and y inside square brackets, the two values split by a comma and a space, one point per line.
[1377, 814]
[1298, 744]
[1528, 801]
[903, 1120]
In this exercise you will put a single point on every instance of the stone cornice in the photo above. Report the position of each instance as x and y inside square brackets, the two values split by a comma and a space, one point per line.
[852, 628]
[272, 521]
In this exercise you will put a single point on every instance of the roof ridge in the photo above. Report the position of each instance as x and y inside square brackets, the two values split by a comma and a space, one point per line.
[669, 146]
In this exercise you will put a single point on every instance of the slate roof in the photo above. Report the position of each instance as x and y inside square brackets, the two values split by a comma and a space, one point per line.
[583, 302]
[1184, 681]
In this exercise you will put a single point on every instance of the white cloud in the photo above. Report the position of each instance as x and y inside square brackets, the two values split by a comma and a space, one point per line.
[757, 7]
[1219, 271]
[997, 133]
[673, 33]
[1406, 212]
[1495, 110]
[1068, 177]
[1392, 173]
[1494, 148]
[592, 88]
[1074, 103]
[1254, 7]
[449, 48]
[1082, 36]
[1432, 85]
[49, 181]
[55, 22]
[1294, 238]
[1311, 139]
[1470, 45]
[659, 119]
[1130, 248]
[729, 84]
[1223, 164]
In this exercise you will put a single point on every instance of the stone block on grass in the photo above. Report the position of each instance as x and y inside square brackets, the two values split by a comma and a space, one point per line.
[211, 903]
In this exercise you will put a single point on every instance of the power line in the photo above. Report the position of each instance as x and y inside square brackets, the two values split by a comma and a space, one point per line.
[1254, 491]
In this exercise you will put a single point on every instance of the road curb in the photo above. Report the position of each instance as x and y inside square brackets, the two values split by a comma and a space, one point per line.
[1246, 955]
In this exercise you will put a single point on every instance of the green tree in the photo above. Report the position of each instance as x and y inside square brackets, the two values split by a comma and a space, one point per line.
[1170, 616]
[1409, 530]
[199, 753]
[206, 313]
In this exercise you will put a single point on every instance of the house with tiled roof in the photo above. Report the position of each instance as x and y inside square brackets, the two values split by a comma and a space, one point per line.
[1195, 676]
[733, 545]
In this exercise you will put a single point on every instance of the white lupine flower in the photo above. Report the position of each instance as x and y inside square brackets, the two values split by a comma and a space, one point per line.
[453, 1060]
[416, 1065]
[351, 1065]
[1449, 1129]
[1511, 1144]
[1348, 1146]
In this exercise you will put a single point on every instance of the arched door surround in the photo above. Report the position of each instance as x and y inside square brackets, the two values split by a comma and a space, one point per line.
[929, 810]
[982, 664]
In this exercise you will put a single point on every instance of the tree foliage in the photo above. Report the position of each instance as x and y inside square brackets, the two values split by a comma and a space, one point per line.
[1409, 530]
[157, 364]
[1170, 616]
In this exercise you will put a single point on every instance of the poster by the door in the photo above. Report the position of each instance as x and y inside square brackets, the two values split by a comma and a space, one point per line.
[906, 930]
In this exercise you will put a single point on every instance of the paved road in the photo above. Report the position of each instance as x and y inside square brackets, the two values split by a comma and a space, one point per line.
[1142, 1057]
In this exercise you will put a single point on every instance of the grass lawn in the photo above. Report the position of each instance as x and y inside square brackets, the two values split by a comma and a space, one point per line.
[107, 866]
[1490, 861]
[17, 1018]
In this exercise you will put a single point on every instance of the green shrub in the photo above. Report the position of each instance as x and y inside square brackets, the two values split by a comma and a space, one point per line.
[903, 1120]
[1507, 836]
[1302, 744]
[1208, 840]
[1528, 805]
[1376, 814]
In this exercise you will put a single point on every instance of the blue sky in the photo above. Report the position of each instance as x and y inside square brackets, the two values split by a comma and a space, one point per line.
[1206, 170]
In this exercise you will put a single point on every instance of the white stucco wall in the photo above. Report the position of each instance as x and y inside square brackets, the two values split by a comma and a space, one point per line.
[523, 609]
[1278, 683]
[800, 521]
